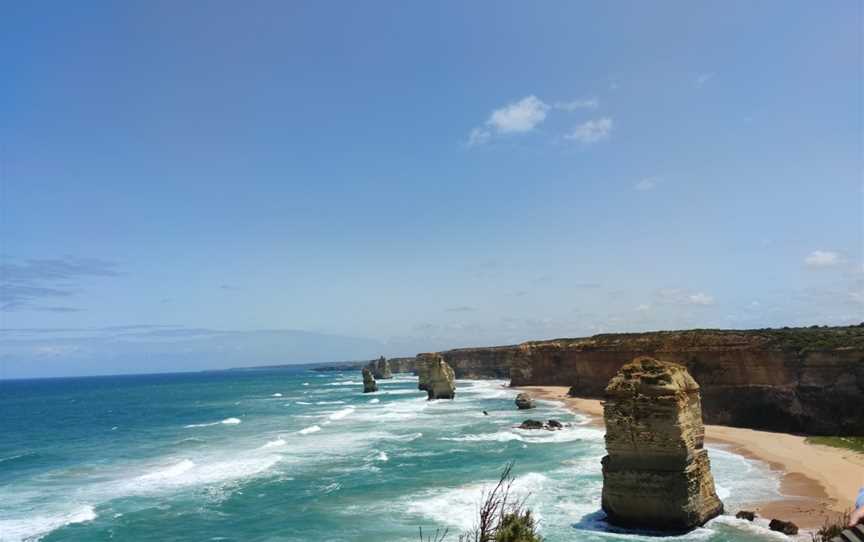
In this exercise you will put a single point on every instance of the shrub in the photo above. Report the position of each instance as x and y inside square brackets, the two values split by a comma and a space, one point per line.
[831, 528]
[501, 517]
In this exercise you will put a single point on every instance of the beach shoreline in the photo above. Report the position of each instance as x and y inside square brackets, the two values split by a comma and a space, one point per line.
[817, 482]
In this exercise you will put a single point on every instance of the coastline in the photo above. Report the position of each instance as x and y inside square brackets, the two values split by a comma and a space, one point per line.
[817, 481]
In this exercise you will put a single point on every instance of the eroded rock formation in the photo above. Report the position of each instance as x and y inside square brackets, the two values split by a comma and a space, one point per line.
[657, 473]
[380, 368]
[369, 384]
[423, 369]
[524, 401]
[440, 379]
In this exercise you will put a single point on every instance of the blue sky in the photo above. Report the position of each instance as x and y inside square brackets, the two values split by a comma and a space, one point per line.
[268, 182]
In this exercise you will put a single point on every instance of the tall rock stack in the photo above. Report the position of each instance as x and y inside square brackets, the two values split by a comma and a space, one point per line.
[380, 368]
[657, 473]
[440, 379]
[369, 384]
[423, 361]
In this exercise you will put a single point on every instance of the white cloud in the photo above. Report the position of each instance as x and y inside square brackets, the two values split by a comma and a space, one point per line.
[648, 183]
[521, 116]
[703, 78]
[517, 117]
[823, 258]
[573, 105]
[700, 298]
[592, 131]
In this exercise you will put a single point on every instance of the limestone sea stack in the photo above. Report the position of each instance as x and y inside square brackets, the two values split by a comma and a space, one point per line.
[369, 384]
[440, 380]
[380, 368]
[657, 474]
[423, 361]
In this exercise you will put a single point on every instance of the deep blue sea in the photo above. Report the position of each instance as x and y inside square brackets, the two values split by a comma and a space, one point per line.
[294, 455]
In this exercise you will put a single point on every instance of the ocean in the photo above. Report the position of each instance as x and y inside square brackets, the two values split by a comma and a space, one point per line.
[294, 455]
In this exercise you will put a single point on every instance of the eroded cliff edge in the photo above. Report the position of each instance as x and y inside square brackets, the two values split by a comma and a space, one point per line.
[802, 380]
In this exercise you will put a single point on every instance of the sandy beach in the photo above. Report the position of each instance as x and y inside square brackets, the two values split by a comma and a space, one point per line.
[817, 481]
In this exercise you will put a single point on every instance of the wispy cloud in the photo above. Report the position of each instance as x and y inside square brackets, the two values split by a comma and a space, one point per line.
[23, 286]
[679, 296]
[514, 118]
[702, 78]
[700, 298]
[646, 184]
[823, 258]
[461, 308]
[592, 131]
[575, 105]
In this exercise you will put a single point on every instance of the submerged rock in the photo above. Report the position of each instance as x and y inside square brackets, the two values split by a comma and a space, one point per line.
[785, 527]
[524, 401]
[550, 425]
[369, 384]
[441, 380]
[657, 473]
[746, 514]
[380, 368]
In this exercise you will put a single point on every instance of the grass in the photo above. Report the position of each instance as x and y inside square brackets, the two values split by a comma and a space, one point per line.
[855, 444]
[831, 528]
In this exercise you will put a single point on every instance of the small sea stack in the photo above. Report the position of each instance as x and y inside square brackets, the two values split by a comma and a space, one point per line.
[380, 368]
[440, 379]
[657, 473]
[369, 384]
[524, 401]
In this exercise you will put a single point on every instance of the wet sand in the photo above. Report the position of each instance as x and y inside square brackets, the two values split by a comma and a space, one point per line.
[817, 481]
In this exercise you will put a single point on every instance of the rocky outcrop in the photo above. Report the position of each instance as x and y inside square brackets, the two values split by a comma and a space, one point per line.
[524, 401]
[785, 527]
[656, 473]
[369, 384]
[380, 368]
[802, 380]
[746, 514]
[531, 424]
[550, 425]
[440, 380]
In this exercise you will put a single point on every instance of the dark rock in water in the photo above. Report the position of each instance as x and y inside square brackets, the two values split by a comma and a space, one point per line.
[485, 413]
[785, 527]
[554, 424]
[524, 401]
[746, 514]
[531, 424]
[369, 384]
[657, 473]
[440, 380]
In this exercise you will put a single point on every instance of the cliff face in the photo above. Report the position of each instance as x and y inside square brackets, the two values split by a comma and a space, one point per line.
[793, 380]
[478, 363]
[657, 473]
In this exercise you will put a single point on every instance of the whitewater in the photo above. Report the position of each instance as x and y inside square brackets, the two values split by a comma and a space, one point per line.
[293, 455]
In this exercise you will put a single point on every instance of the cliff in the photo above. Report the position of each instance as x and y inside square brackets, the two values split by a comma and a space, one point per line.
[803, 380]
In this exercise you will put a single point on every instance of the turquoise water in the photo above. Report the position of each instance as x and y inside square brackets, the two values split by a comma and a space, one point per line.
[292, 455]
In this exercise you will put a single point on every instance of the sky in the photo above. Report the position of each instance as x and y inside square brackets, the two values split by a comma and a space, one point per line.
[190, 185]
